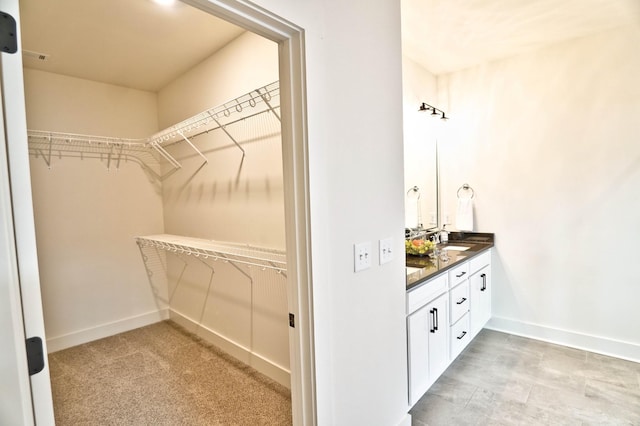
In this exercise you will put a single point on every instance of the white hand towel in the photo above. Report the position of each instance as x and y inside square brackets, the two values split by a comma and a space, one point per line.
[464, 215]
[411, 213]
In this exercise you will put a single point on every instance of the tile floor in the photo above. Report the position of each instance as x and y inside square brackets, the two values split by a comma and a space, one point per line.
[501, 379]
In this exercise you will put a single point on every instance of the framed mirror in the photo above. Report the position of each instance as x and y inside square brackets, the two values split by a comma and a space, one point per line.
[421, 131]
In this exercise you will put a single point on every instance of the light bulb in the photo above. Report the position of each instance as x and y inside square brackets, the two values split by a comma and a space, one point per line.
[165, 3]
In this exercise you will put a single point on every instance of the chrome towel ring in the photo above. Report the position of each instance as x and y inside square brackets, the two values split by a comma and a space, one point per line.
[415, 190]
[465, 187]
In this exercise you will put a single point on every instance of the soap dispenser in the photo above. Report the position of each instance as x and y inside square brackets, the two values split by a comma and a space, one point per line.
[444, 235]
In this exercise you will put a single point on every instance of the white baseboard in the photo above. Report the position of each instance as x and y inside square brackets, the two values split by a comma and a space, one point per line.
[587, 342]
[65, 341]
[406, 421]
[263, 365]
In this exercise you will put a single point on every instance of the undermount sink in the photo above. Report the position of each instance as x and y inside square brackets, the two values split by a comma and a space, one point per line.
[411, 270]
[455, 248]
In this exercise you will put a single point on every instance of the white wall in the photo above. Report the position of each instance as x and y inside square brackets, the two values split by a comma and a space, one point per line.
[549, 142]
[243, 311]
[420, 128]
[229, 199]
[354, 104]
[92, 276]
[354, 100]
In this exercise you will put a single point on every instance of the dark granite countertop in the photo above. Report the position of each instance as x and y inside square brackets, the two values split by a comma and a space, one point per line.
[429, 268]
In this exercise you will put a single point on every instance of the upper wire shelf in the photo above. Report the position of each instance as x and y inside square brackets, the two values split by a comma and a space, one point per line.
[263, 258]
[151, 150]
[218, 117]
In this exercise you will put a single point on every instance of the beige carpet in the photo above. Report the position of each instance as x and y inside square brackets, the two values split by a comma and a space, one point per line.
[161, 375]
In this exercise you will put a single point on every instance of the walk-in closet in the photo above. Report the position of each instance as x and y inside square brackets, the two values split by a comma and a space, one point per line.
[156, 165]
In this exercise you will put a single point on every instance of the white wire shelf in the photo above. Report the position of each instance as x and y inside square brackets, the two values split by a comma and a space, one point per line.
[49, 145]
[264, 258]
[221, 116]
[148, 151]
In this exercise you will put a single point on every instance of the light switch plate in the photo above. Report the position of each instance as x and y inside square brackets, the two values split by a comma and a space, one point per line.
[362, 256]
[386, 255]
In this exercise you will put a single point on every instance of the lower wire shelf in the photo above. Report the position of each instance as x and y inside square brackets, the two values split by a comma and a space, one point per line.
[260, 257]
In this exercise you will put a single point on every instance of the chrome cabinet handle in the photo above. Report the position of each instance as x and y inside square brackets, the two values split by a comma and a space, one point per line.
[432, 329]
[461, 301]
[484, 282]
[461, 274]
[462, 335]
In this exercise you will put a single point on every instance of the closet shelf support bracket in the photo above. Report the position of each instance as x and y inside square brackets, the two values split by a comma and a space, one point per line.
[221, 126]
[163, 152]
[193, 147]
[47, 158]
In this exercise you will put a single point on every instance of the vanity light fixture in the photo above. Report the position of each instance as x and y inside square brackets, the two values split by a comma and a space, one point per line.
[434, 111]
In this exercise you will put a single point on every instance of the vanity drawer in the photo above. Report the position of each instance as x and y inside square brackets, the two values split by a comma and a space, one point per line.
[459, 301]
[480, 261]
[460, 336]
[458, 274]
[425, 293]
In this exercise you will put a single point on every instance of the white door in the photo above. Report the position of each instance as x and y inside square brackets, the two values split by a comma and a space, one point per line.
[15, 404]
[19, 254]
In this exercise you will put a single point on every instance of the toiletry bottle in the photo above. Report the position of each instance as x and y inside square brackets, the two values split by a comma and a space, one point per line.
[444, 235]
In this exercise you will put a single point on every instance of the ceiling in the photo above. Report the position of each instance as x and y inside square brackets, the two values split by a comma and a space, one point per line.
[449, 35]
[139, 44]
[131, 43]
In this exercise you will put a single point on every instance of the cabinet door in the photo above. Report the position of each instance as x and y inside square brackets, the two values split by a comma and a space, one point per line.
[480, 308]
[418, 326]
[438, 336]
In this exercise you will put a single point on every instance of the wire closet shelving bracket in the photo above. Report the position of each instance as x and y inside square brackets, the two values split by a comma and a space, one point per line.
[46, 144]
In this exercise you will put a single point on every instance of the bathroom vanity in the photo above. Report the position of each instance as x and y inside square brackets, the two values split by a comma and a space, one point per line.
[448, 302]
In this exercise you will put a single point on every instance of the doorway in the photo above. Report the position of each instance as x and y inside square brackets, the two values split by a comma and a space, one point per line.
[294, 164]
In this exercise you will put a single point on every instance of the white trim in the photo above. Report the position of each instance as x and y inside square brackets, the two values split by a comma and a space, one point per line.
[24, 228]
[406, 420]
[235, 349]
[65, 341]
[587, 342]
[16, 406]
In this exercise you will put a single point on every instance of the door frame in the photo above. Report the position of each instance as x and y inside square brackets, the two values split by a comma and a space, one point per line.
[291, 43]
[16, 406]
[26, 258]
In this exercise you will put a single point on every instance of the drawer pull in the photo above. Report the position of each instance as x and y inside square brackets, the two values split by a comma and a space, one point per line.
[461, 274]
[484, 282]
[462, 335]
[433, 321]
[464, 299]
[435, 327]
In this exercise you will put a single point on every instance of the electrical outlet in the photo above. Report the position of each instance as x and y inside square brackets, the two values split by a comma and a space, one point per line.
[447, 219]
[386, 255]
[362, 256]
[432, 218]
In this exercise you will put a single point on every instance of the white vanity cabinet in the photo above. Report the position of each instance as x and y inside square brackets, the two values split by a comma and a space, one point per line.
[443, 314]
[428, 335]
[480, 291]
[460, 334]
